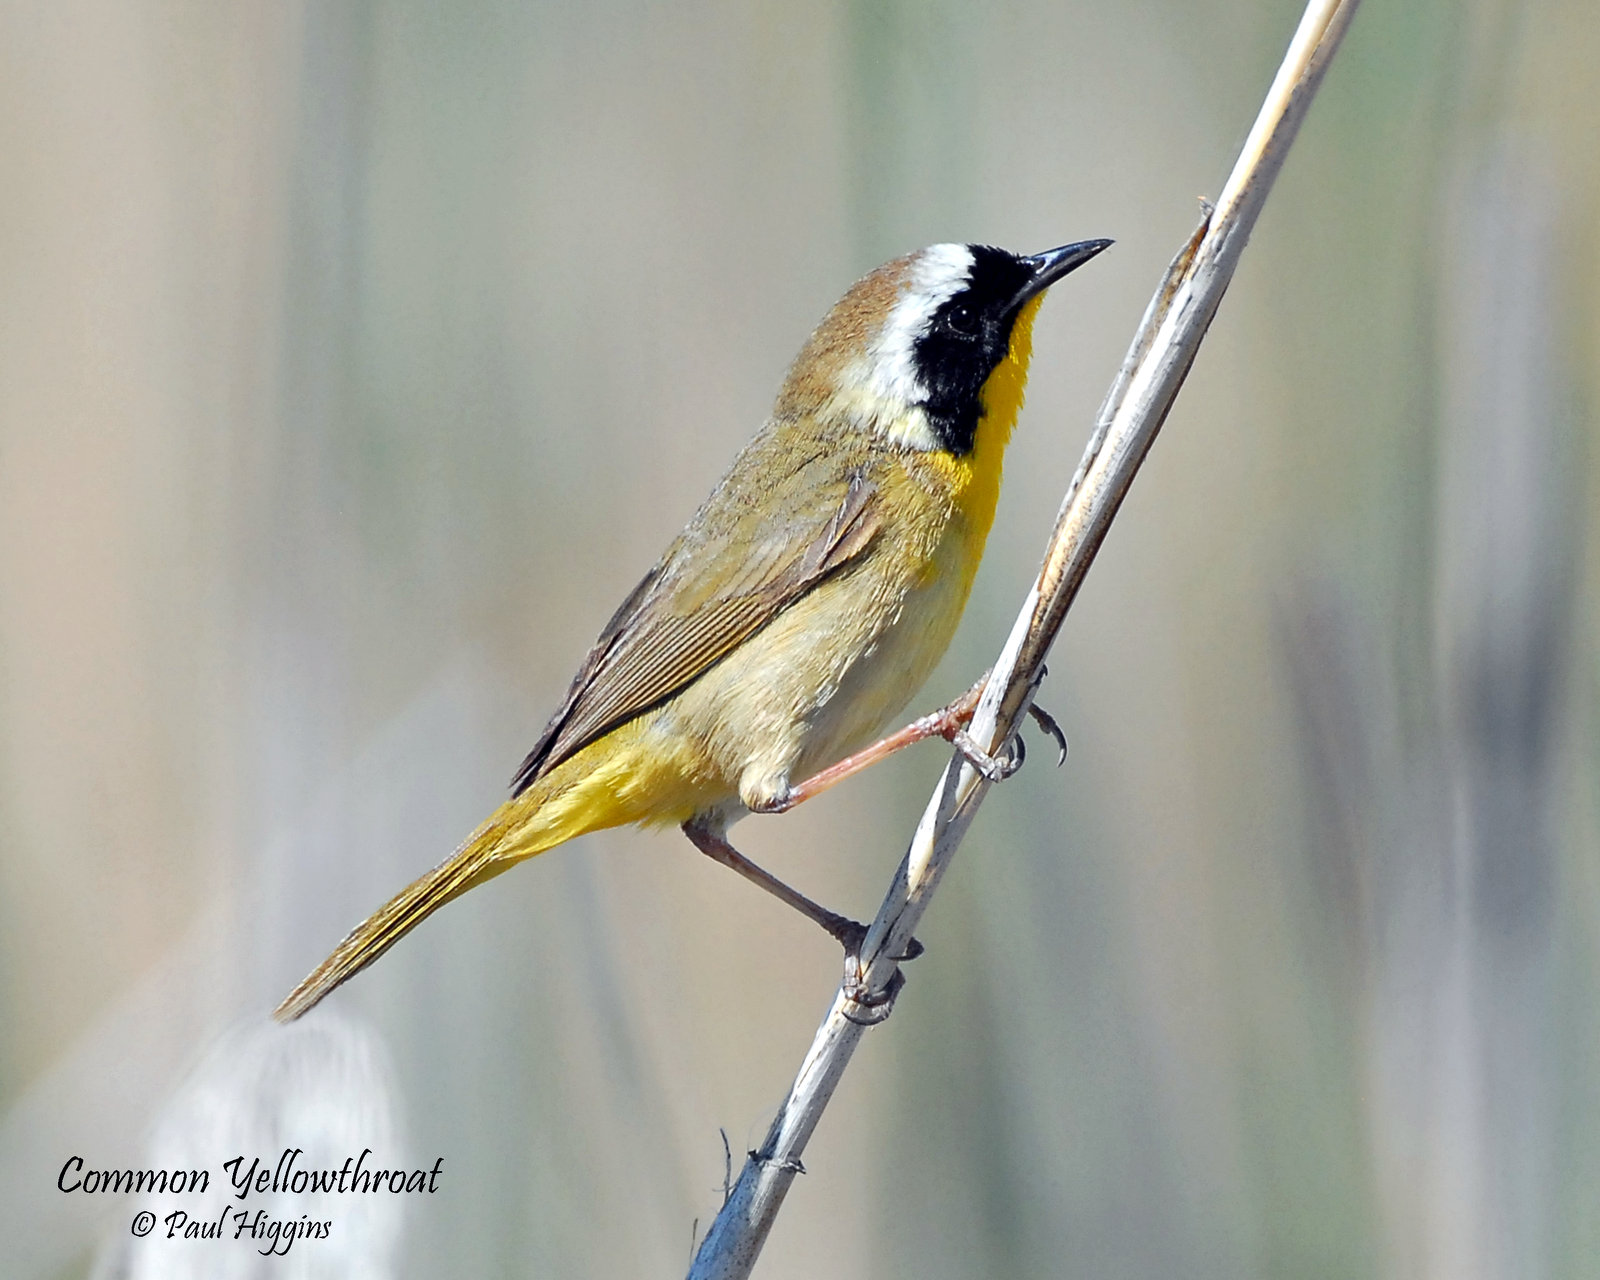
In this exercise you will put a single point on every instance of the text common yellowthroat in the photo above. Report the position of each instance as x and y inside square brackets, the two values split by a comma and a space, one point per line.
[805, 603]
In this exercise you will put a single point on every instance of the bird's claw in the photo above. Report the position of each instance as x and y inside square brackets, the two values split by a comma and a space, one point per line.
[868, 1008]
[1044, 719]
[864, 1007]
[997, 767]
[1000, 765]
[1047, 722]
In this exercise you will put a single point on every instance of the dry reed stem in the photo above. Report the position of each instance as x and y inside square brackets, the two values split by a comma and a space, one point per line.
[1134, 410]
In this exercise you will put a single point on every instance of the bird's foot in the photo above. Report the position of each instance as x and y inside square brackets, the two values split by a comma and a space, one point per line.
[865, 1007]
[869, 1008]
[997, 767]
[1047, 722]
[952, 722]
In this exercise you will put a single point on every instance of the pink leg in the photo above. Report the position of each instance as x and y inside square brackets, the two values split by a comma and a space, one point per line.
[716, 847]
[949, 722]
[848, 933]
[943, 723]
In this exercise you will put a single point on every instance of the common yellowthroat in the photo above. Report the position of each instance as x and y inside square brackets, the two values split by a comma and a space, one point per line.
[804, 604]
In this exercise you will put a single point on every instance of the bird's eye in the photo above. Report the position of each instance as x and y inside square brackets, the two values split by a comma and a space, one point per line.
[962, 318]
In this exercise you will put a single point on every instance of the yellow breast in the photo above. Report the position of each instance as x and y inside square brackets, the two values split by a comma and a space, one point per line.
[930, 599]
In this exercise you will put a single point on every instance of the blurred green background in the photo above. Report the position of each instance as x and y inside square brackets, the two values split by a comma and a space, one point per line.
[356, 359]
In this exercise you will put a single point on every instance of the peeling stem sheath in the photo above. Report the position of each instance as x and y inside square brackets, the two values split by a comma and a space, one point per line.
[1135, 408]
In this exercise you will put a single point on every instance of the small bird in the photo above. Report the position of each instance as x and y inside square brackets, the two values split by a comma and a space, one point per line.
[804, 604]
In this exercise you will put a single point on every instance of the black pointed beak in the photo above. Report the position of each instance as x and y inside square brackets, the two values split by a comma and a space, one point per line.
[1052, 264]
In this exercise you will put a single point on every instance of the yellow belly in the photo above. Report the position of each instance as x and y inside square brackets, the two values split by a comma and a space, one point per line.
[827, 674]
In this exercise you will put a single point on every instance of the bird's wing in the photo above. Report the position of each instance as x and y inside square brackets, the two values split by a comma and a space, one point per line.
[782, 521]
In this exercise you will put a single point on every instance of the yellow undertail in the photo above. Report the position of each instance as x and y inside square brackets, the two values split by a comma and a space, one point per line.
[617, 780]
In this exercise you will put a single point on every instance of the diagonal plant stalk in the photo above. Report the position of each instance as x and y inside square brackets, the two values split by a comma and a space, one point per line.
[1135, 408]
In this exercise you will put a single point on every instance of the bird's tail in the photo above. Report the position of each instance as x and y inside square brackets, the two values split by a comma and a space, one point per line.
[610, 782]
[481, 858]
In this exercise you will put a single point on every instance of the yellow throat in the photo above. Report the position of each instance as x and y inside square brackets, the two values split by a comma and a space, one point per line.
[974, 477]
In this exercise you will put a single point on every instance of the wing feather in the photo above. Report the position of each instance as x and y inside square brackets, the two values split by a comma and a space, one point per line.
[741, 561]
